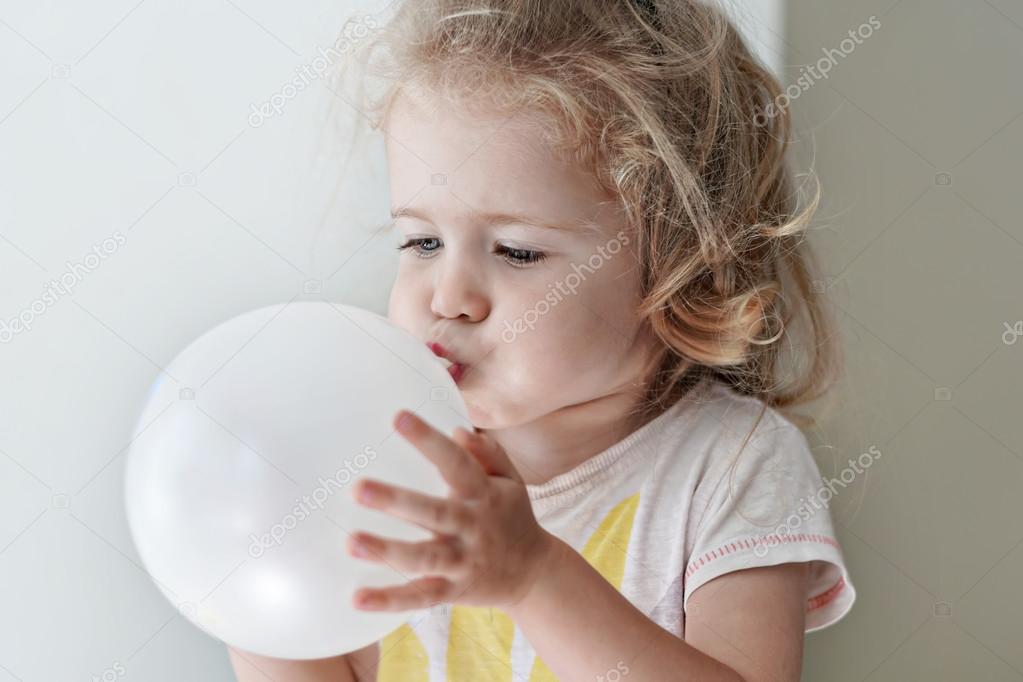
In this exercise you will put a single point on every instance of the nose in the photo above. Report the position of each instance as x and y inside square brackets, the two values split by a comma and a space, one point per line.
[457, 291]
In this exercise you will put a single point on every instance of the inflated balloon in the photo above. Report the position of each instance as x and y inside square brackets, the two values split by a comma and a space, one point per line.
[238, 481]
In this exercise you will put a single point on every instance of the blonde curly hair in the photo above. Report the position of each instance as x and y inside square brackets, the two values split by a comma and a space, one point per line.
[666, 105]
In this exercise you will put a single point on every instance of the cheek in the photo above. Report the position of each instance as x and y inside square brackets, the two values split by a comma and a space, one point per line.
[586, 326]
[404, 303]
[566, 348]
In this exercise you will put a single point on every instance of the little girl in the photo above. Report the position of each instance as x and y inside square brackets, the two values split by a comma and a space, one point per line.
[599, 232]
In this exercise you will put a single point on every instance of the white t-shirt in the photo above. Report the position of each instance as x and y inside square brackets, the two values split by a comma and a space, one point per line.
[658, 514]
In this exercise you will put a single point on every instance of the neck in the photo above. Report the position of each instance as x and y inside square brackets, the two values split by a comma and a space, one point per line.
[559, 441]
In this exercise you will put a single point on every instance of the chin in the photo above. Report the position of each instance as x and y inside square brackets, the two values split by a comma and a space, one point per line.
[495, 417]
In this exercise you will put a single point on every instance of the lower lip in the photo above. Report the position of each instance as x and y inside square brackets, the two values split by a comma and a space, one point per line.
[457, 371]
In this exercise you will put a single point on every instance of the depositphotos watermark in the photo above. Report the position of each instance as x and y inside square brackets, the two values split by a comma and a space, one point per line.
[305, 504]
[614, 674]
[114, 672]
[571, 282]
[351, 34]
[822, 69]
[54, 289]
[1012, 332]
[808, 507]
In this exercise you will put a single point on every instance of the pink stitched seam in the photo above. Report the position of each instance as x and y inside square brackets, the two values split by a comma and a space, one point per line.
[812, 603]
[826, 597]
[747, 543]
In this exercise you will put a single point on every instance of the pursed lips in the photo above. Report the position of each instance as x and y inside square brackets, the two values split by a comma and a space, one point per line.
[455, 368]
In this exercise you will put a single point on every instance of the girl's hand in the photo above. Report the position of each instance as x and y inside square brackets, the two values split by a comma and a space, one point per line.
[487, 548]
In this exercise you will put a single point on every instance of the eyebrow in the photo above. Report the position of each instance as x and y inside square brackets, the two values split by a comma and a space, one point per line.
[505, 219]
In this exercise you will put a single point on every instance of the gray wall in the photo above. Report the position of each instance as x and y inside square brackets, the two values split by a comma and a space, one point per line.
[917, 136]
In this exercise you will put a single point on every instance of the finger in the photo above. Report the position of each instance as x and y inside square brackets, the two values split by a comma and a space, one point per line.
[418, 594]
[488, 452]
[450, 517]
[440, 555]
[462, 472]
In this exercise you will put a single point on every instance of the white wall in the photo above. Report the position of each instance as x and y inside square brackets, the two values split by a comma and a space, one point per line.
[762, 23]
[125, 139]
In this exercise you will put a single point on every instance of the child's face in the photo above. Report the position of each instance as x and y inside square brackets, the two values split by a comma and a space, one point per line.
[532, 346]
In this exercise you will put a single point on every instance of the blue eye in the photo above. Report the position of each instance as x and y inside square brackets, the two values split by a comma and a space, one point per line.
[515, 257]
[418, 244]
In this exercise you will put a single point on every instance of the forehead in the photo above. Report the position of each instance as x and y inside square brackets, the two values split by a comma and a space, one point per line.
[424, 122]
[446, 159]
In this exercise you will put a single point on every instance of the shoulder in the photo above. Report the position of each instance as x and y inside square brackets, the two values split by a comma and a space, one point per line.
[763, 502]
[749, 438]
[715, 432]
[718, 412]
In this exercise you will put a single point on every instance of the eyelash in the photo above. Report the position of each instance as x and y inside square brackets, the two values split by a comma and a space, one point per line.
[531, 258]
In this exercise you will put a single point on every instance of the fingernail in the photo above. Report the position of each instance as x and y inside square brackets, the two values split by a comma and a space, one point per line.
[360, 548]
[405, 421]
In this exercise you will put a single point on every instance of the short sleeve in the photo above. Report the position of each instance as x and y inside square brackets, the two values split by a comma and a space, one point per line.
[771, 507]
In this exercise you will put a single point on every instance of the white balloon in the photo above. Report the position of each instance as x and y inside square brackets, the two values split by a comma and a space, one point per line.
[238, 481]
